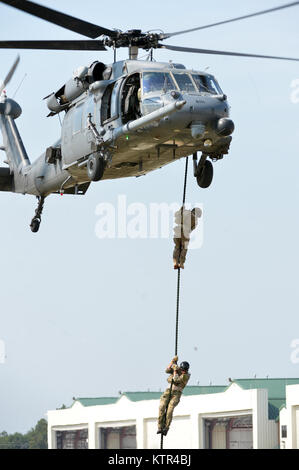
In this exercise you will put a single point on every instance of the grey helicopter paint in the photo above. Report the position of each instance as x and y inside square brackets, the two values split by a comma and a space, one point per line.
[122, 119]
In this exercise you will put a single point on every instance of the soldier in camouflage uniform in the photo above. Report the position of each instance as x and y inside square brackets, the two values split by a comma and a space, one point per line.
[179, 377]
[186, 221]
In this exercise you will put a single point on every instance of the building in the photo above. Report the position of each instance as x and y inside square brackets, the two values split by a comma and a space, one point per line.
[246, 414]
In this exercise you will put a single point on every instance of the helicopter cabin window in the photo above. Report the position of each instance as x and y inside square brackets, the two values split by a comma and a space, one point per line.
[77, 119]
[207, 84]
[157, 81]
[106, 103]
[184, 82]
[130, 98]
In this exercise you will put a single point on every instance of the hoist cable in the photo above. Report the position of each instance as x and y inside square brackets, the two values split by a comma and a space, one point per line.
[177, 295]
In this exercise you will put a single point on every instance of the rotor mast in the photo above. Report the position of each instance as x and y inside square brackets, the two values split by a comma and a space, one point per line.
[133, 52]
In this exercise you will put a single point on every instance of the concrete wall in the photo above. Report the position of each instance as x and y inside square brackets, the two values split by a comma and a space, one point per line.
[289, 416]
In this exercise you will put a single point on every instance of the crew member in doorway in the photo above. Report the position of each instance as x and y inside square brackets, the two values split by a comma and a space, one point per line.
[177, 379]
[186, 221]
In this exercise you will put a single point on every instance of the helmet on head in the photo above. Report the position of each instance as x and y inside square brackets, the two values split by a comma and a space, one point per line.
[184, 366]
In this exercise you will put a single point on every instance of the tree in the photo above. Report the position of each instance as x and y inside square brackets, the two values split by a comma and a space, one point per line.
[13, 441]
[36, 438]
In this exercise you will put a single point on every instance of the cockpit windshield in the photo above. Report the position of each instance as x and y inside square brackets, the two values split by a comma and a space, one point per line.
[207, 84]
[157, 81]
[184, 82]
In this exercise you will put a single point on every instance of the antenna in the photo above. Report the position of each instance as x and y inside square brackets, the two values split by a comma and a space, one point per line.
[21, 82]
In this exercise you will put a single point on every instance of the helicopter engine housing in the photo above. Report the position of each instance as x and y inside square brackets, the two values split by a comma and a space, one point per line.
[82, 78]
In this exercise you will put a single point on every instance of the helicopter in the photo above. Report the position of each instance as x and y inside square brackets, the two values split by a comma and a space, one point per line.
[122, 119]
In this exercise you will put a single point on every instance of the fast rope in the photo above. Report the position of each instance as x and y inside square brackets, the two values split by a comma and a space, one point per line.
[177, 295]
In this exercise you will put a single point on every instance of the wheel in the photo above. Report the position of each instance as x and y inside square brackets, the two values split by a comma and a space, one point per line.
[35, 223]
[205, 176]
[95, 168]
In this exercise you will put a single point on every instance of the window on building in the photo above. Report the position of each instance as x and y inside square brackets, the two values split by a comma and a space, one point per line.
[284, 431]
[231, 432]
[75, 439]
[123, 437]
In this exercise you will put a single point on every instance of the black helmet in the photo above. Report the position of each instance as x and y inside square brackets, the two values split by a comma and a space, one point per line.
[185, 366]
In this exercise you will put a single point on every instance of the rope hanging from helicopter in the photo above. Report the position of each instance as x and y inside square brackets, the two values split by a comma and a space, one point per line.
[177, 298]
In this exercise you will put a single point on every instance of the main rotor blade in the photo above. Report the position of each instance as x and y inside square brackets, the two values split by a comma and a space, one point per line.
[10, 74]
[210, 51]
[61, 19]
[287, 5]
[84, 45]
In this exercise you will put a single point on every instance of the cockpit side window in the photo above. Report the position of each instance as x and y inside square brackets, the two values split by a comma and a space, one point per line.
[207, 84]
[184, 82]
[157, 81]
[130, 99]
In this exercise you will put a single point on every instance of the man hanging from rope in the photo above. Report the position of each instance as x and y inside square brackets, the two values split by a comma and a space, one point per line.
[186, 221]
[177, 379]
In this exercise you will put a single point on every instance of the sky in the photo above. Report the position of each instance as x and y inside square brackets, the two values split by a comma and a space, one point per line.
[87, 317]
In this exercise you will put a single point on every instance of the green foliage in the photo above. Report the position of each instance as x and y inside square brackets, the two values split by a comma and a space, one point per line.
[36, 438]
[63, 407]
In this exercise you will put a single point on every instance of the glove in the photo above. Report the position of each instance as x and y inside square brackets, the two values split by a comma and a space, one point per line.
[175, 367]
[175, 359]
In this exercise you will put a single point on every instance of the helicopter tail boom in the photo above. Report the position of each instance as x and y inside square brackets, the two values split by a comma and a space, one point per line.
[15, 151]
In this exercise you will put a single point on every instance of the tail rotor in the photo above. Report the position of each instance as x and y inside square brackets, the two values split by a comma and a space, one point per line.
[10, 74]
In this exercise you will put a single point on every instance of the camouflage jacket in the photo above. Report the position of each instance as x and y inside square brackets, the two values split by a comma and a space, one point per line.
[180, 380]
[185, 222]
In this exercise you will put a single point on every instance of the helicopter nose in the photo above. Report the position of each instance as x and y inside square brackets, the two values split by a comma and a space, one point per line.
[225, 127]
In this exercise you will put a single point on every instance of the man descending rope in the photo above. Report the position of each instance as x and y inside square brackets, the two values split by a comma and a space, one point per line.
[178, 379]
[186, 221]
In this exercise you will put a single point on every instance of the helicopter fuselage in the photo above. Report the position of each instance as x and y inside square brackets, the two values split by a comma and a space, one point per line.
[98, 122]
[129, 94]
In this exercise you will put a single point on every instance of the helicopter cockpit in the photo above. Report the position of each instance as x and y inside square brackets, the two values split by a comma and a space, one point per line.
[183, 81]
[155, 84]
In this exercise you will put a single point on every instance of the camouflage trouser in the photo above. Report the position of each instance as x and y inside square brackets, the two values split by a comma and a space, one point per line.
[180, 257]
[172, 403]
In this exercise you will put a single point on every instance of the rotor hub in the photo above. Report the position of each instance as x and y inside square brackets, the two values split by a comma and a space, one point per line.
[134, 38]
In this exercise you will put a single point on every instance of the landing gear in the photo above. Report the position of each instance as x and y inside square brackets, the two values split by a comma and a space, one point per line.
[95, 167]
[203, 171]
[35, 222]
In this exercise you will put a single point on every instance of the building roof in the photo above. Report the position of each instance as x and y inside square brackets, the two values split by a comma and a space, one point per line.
[276, 393]
[204, 389]
[139, 396]
[97, 401]
[276, 387]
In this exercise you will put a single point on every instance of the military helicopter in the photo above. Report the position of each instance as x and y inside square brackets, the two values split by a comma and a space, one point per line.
[121, 119]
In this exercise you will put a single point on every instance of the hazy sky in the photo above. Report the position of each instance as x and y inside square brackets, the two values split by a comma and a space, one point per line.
[82, 316]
